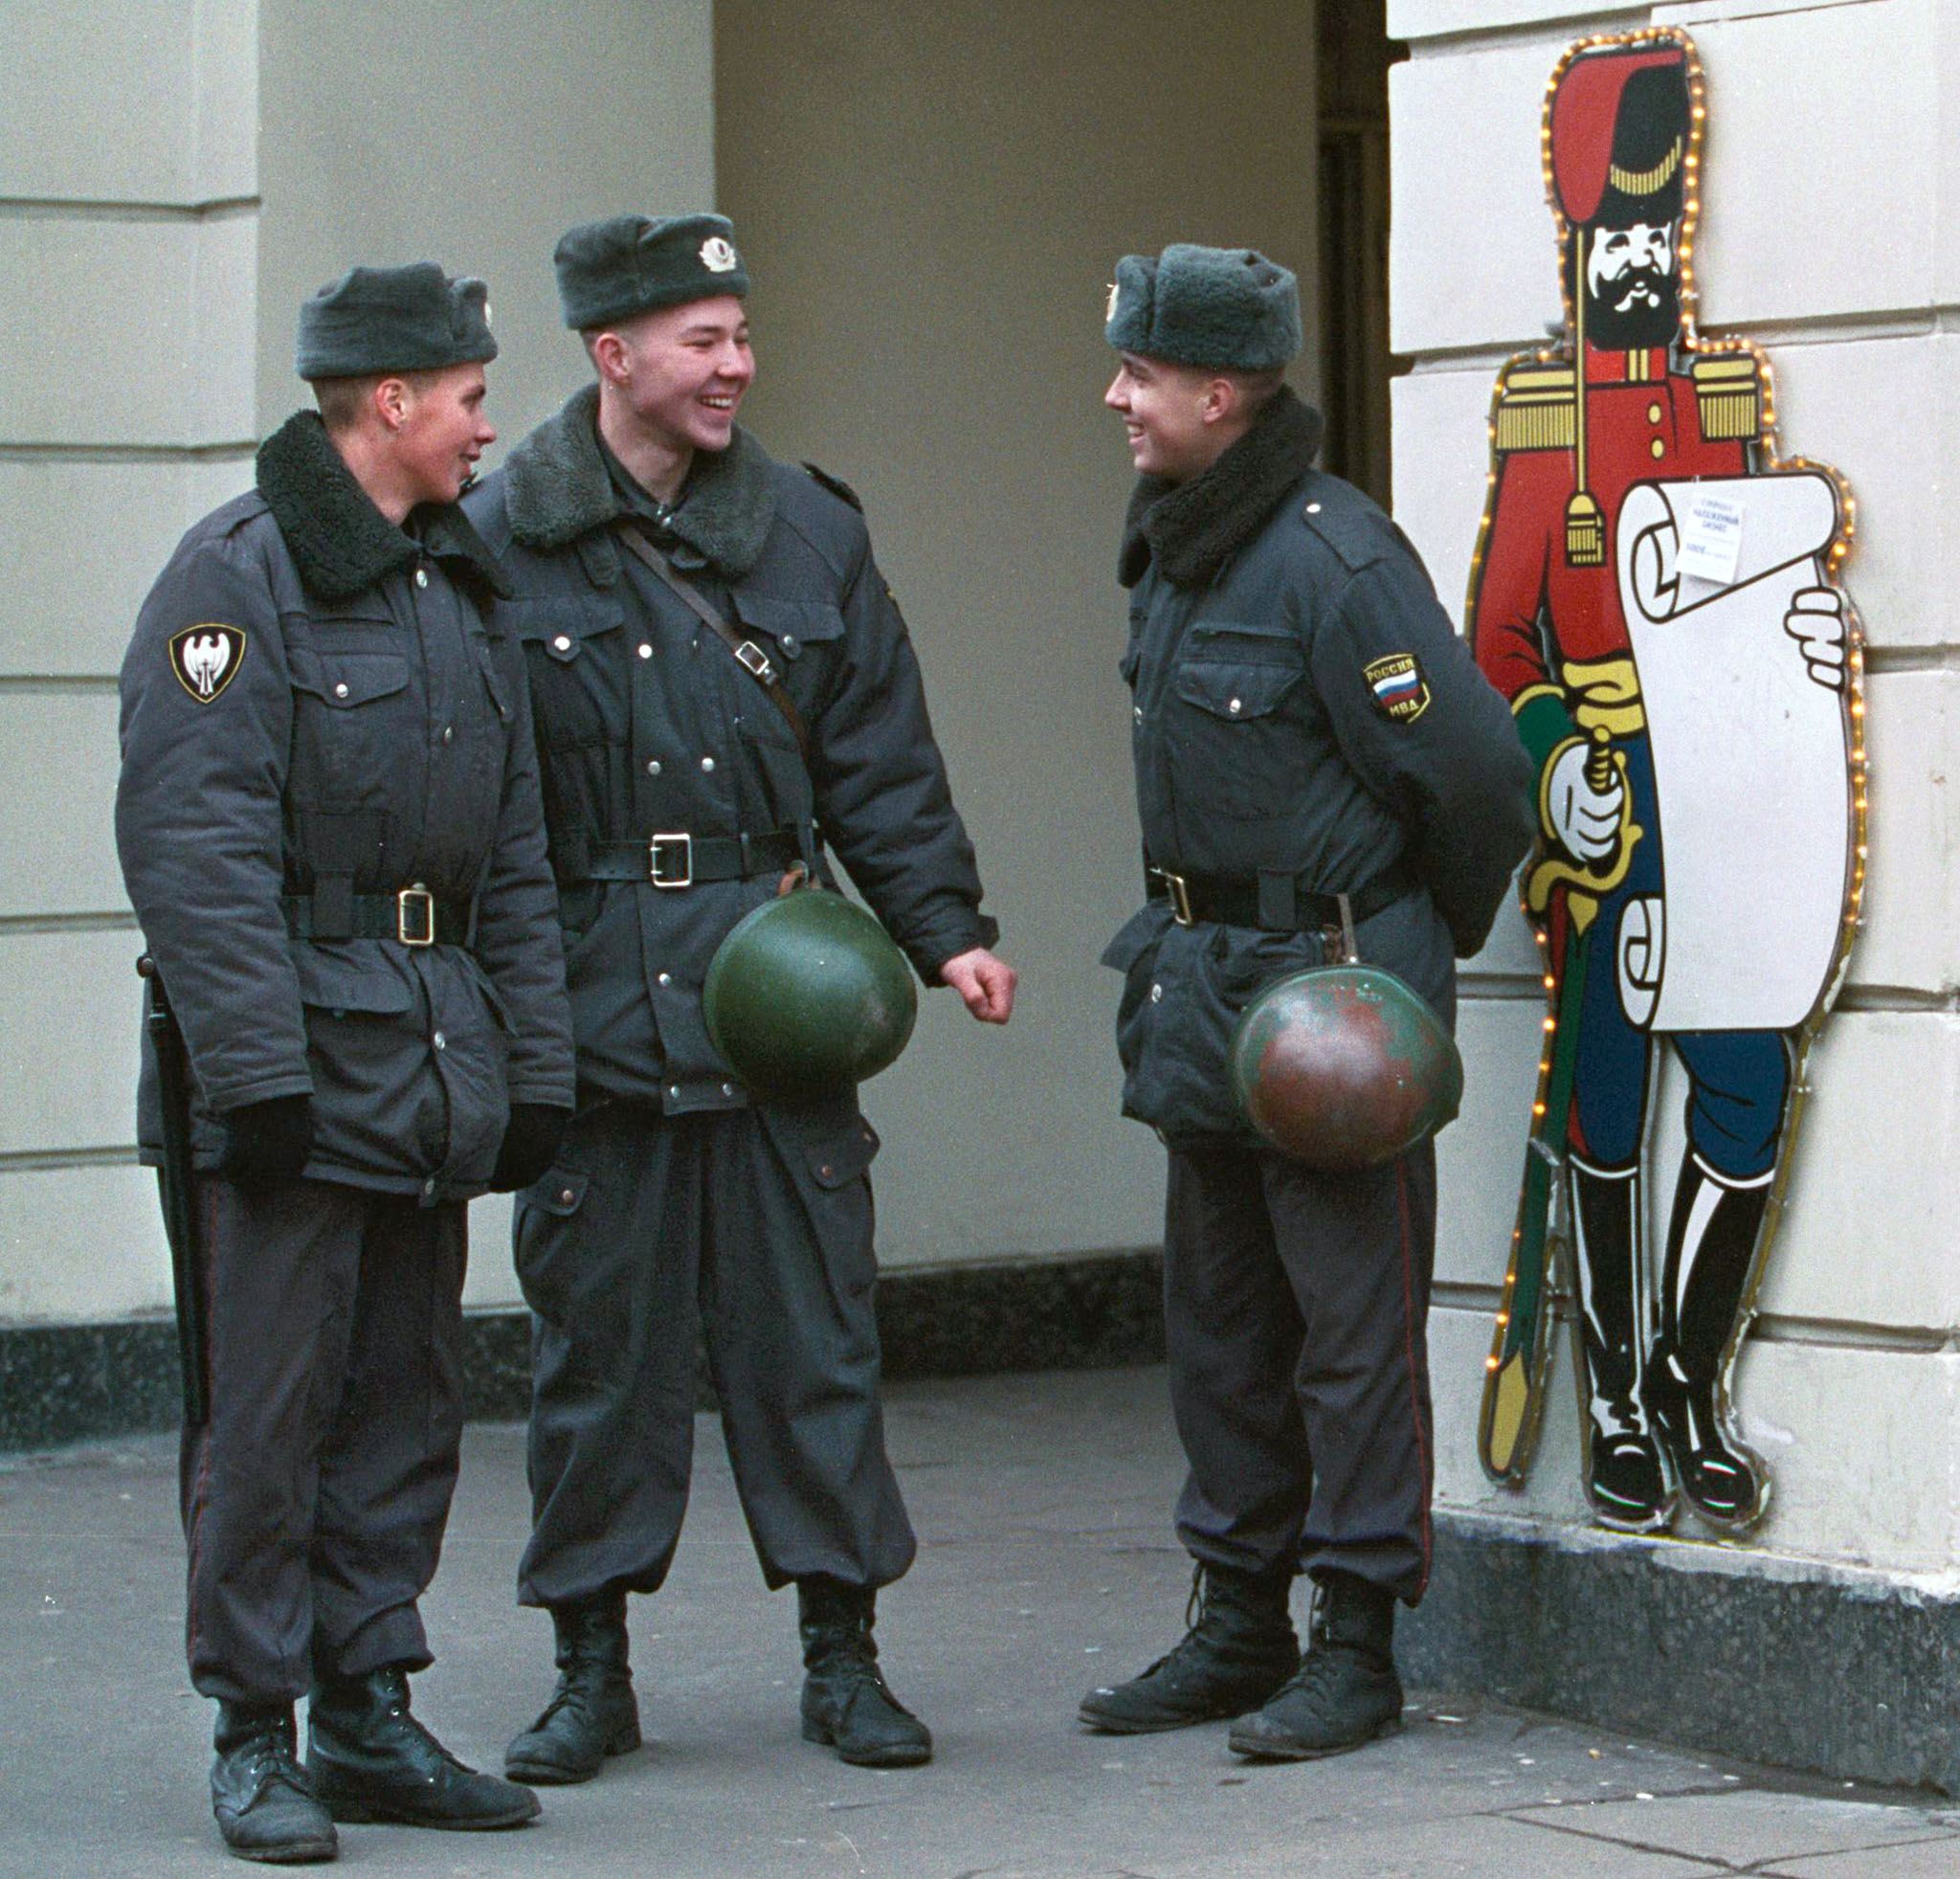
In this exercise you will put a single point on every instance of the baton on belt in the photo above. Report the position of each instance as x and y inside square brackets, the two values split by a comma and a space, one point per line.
[173, 1186]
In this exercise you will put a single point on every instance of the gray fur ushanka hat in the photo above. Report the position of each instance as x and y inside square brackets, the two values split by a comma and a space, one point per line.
[1225, 307]
[393, 320]
[630, 264]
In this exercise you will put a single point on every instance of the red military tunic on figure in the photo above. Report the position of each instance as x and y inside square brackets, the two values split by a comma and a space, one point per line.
[1643, 423]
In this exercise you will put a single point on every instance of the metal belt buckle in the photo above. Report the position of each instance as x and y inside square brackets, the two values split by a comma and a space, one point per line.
[656, 871]
[415, 916]
[756, 661]
[1178, 892]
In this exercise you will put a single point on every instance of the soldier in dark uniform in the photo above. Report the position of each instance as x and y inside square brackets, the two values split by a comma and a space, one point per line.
[1313, 747]
[330, 824]
[683, 779]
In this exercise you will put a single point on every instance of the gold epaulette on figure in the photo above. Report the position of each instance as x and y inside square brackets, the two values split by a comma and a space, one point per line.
[1534, 411]
[1730, 395]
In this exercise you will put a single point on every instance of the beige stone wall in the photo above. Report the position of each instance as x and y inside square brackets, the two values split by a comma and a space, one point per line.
[504, 124]
[1829, 233]
[128, 187]
[931, 197]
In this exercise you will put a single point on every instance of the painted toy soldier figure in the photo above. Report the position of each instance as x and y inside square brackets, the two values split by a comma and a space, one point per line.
[329, 824]
[1550, 632]
[723, 686]
[1314, 749]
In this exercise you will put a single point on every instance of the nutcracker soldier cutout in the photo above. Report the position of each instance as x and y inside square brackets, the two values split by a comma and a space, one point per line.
[1654, 593]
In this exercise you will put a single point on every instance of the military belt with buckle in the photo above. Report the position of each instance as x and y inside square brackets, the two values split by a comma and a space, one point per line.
[1273, 900]
[670, 860]
[413, 916]
[674, 859]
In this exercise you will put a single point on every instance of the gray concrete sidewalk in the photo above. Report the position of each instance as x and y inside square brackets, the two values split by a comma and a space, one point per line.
[1047, 1565]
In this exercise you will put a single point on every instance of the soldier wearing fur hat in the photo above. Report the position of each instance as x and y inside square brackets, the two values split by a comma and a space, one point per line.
[1315, 751]
[329, 825]
[721, 684]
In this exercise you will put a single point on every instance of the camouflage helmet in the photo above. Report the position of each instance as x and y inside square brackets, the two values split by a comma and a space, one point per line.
[808, 996]
[1344, 1067]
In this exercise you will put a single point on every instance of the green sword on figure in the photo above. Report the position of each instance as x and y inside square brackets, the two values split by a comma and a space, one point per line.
[1514, 1376]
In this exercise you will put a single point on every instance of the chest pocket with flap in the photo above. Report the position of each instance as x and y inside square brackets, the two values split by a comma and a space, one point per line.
[578, 676]
[1237, 748]
[347, 731]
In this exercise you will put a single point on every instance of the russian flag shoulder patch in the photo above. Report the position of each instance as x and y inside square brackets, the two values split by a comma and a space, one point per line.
[1400, 690]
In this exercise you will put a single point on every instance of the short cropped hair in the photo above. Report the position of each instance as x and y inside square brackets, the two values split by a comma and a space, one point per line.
[1257, 389]
[341, 400]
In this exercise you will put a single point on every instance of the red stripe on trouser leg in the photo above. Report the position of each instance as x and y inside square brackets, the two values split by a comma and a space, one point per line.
[1408, 1350]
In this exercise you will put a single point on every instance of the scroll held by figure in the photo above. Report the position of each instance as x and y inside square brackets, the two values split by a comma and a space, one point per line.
[1654, 591]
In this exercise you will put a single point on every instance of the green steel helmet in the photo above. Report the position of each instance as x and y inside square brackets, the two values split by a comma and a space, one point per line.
[1345, 1067]
[808, 996]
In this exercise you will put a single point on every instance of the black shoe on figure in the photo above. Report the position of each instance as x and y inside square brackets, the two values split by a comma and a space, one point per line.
[847, 1704]
[260, 1795]
[1625, 1481]
[1240, 1647]
[1719, 1478]
[1345, 1693]
[372, 1760]
[592, 1714]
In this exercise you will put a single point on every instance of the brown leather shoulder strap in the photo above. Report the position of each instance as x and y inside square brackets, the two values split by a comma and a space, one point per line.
[749, 656]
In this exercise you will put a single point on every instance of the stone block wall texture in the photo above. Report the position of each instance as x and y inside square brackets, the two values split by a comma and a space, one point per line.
[1831, 184]
[130, 217]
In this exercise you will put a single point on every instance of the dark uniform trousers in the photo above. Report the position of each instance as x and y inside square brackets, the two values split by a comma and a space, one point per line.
[1295, 1311]
[755, 1226]
[315, 1502]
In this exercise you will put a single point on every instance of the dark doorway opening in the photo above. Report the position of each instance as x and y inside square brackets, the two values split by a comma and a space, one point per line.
[1354, 54]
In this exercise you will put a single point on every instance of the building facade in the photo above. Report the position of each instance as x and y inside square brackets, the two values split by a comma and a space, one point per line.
[931, 197]
[1830, 174]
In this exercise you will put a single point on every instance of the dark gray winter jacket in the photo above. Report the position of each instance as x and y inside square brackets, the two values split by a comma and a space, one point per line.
[315, 716]
[1301, 704]
[647, 726]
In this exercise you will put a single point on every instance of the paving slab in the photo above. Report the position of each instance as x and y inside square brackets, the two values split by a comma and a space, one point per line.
[1756, 1829]
[1047, 1565]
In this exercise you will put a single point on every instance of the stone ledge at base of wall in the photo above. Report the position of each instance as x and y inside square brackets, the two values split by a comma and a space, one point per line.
[1848, 1674]
[68, 1383]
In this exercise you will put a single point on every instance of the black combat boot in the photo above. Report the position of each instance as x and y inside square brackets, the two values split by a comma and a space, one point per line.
[592, 1714]
[1346, 1691]
[263, 1803]
[1624, 1479]
[1711, 1251]
[372, 1760]
[846, 1701]
[1240, 1647]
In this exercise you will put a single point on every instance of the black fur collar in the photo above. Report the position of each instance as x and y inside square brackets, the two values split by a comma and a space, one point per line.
[558, 489]
[340, 544]
[1191, 529]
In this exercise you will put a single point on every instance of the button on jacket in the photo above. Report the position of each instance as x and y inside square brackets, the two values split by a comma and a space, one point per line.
[648, 727]
[315, 710]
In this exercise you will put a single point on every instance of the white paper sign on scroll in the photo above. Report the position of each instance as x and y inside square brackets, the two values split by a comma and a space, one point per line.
[1748, 758]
